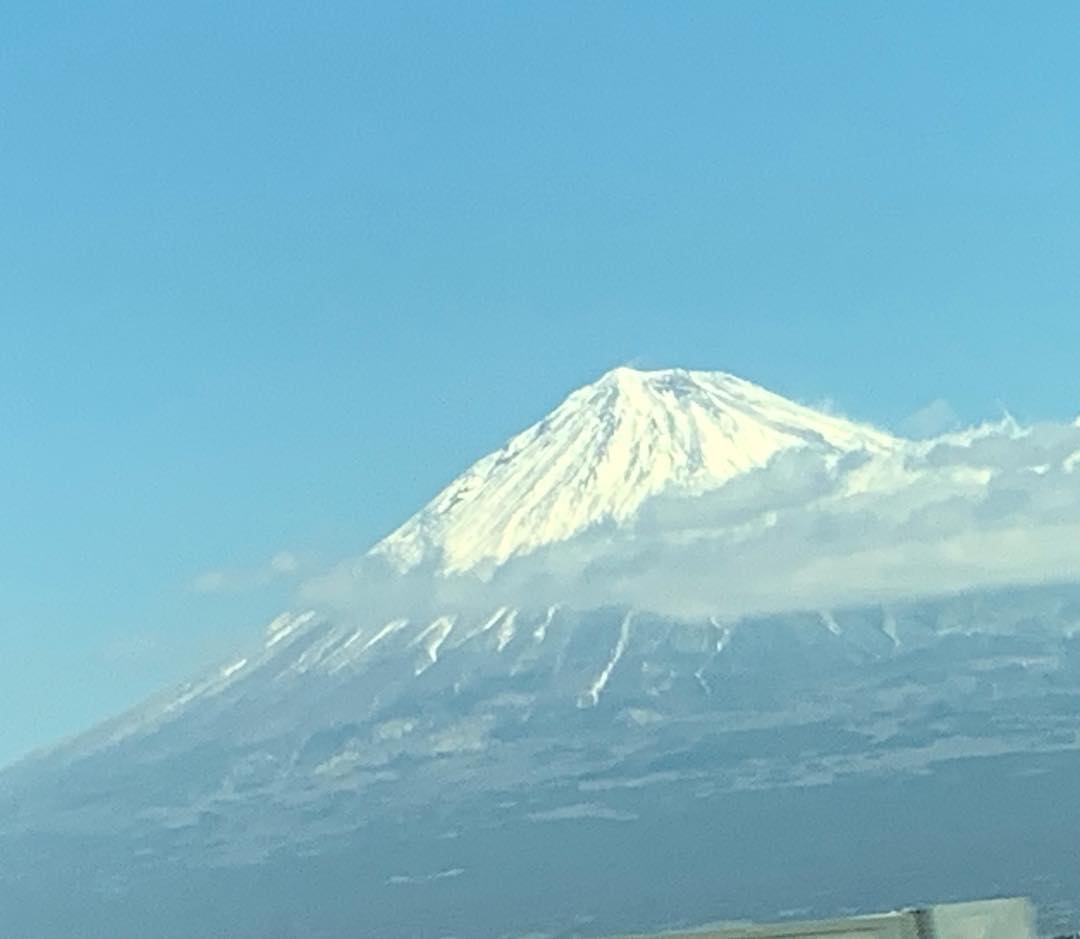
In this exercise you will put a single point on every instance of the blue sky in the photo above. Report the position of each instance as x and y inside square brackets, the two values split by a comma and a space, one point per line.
[273, 273]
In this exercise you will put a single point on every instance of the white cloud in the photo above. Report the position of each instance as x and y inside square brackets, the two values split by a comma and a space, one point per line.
[283, 565]
[284, 562]
[211, 582]
[937, 417]
[994, 506]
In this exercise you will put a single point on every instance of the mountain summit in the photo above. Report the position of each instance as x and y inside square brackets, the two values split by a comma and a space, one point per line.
[605, 450]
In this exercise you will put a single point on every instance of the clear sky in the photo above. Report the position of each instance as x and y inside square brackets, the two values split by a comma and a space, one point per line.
[272, 273]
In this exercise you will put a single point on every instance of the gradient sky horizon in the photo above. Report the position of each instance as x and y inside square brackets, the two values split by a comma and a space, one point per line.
[272, 275]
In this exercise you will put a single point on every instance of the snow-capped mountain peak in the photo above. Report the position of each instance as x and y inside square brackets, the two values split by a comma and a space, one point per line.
[605, 450]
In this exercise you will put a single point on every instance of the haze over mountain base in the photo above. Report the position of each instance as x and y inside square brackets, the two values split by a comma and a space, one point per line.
[971, 828]
[817, 764]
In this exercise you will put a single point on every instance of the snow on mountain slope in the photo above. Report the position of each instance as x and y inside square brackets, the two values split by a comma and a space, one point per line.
[605, 450]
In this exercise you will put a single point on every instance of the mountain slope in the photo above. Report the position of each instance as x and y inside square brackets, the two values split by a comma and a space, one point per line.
[605, 450]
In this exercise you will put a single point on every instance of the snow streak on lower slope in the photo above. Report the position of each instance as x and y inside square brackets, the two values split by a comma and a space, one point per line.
[603, 452]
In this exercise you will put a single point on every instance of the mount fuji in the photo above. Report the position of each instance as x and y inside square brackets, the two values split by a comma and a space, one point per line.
[682, 650]
[606, 450]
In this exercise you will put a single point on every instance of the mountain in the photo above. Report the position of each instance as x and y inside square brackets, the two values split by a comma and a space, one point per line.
[603, 453]
[683, 650]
